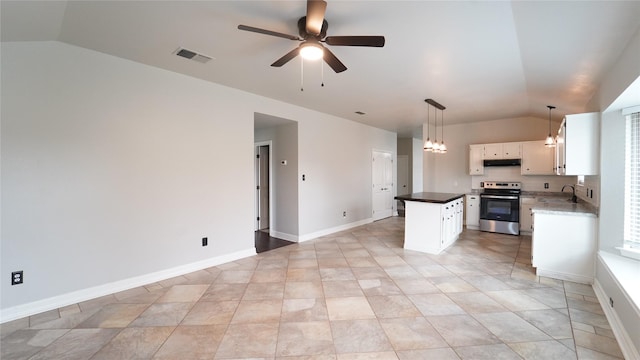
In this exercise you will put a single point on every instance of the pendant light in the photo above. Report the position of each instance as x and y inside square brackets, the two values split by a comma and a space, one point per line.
[550, 142]
[436, 145]
[428, 145]
[443, 147]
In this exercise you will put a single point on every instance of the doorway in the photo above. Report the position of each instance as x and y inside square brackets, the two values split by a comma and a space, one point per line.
[263, 186]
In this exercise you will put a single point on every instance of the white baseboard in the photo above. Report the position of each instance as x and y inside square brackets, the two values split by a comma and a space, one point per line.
[283, 236]
[335, 229]
[622, 336]
[55, 302]
[565, 276]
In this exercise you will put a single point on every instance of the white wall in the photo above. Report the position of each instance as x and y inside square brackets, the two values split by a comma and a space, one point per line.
[449, 172]
[612, 130]
[417, 164]
[113, 170]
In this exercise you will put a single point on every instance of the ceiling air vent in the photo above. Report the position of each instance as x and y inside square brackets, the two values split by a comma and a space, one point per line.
[188, 54]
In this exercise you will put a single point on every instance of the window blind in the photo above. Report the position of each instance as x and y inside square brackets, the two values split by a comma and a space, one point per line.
[632, 181]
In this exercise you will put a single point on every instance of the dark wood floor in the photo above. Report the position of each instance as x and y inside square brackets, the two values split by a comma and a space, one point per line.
[264, 242]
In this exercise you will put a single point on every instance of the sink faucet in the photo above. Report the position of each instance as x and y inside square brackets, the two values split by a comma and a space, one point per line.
[574, 198]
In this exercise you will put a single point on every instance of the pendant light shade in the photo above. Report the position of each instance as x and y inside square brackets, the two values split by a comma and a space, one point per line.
[550, 142]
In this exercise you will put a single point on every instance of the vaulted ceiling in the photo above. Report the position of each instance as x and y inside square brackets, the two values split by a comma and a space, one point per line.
[483, 60]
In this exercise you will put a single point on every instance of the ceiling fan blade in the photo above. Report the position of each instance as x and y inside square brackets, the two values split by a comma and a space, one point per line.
[333, 61]
[267, 32]
[315, 16]
[375, 41]
[286, 58]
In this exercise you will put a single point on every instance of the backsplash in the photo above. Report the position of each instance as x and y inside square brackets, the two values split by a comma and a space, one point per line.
[529, 182]
[589, 191]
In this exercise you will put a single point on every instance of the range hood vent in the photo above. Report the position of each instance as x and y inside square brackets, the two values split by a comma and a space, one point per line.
[502, 162]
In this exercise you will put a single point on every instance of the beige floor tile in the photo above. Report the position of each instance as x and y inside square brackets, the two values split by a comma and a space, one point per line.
[44, 317]
[234, 277]
[589, 318]
[169, 314]
[303, 263]
[552, 297]
[385, 355]
[476, 302]
[543, 350]
[416, 286]
[222, 292]
[305, 338]
[22, 344]
[359, 262]
[516, 300]
[552, 322]
[211, 313]
[401, 272]
[485, 282]
[269, 275]
[373, 287]
[312, 274]
[303, 290]
[349, 308]
[12, 326]
[487, 352]
[183, 293]
[412, 333]
[77, 344]
[374, 272]
[192, 342]
[114, 316]
[264, 291]
[352, 336]
[462, 330]
[435, 305]
[509, 327]
[135, 343]
[344, 288]
[597, 343]
[452, 284]
[336, 274]
[588, 354]
[242, 341]
[393, 306]
[434, 270]
[332, 262]
[299, 310]
[439, 354]
[257, 311]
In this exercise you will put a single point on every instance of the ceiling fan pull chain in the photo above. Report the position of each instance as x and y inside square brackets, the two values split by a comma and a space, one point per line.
[301, 74]
[322, 73]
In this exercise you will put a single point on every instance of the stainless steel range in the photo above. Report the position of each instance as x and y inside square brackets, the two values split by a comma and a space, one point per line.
[500, 207]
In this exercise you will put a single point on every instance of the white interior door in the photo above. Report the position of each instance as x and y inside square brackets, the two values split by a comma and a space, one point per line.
[382, 192]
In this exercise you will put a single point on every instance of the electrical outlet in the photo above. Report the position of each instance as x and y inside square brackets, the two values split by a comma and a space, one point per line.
[17, 277]
[546, 185]
[344, 214]
[205, 241]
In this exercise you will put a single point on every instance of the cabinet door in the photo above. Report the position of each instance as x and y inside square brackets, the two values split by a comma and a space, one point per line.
[581, 144]
[560, 154]
[537, 159]
[476, 164]
[493, 151]
[526, 217]
[511, 151]
[473, 210]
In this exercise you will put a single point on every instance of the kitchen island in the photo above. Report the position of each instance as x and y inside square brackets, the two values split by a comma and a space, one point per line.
[433, 221]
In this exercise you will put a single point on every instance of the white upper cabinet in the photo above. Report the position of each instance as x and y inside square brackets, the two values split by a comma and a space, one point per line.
[476, 159]
[537, 159]
[578, 145]
[502, 151]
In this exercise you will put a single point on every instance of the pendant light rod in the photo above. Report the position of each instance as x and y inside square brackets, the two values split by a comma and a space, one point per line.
[434, 103]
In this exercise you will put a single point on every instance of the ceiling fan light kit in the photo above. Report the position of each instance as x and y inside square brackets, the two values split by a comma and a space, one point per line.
[313, 30]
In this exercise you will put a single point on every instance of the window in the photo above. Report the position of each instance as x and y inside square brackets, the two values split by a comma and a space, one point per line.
[632, 182]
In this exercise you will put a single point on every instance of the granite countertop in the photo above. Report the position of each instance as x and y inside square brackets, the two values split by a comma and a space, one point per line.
[560, 205]
[430, 197]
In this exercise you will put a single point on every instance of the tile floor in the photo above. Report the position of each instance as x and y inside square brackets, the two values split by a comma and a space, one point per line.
[352, 295]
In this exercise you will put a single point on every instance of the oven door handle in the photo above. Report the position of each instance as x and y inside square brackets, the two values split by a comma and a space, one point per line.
[499, 197]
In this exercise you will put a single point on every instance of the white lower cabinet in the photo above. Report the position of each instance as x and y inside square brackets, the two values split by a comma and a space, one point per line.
[564, 245]
[432, 227]
[526, 216]
[472, 203]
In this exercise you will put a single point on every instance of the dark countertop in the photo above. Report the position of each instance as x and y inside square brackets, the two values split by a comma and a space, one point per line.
[430, 197]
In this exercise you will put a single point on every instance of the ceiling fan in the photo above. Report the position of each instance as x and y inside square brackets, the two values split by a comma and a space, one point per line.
[313, 30]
